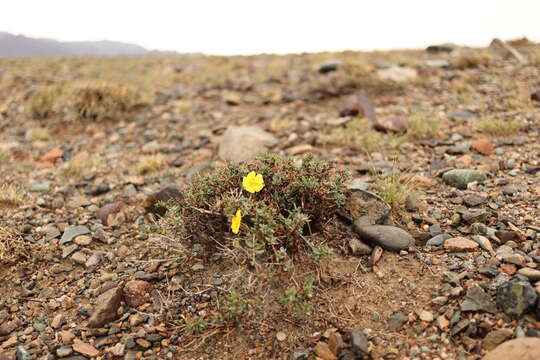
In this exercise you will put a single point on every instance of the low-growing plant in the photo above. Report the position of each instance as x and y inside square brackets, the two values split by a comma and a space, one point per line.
[266, 207]
[470, 60]
[11, 196]
[422, 126]
[356, 133]
[44, 102]
[499, 127]
[392, 188]
[151, 163]
[297, 298]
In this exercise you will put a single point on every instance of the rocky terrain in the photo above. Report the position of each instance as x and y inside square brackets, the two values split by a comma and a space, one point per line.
[437, 256]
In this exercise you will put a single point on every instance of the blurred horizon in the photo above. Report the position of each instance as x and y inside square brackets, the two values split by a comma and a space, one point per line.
[240, 27]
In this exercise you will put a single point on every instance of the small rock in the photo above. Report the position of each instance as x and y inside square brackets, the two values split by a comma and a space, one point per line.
[397, 73]
[359, 343]
[527, 348]
[22, 354]
[388, 237]
[83, 240]
[483, 146]
[52, 155]
[531, 274]
[516, 296]
[85, 348]
[438, 240]
[426, 316]
[460, 178]
[106, 308]
[64, 351]
[281, 336]
[66, 251]
[460, 244]
[244, 143]
[137, 292]
[412, 203]
[484, 243]
[323, 351]
[79, 258]
[477, 299]
[496, 337]
[535, 96]
[473, 200]
[506, 51]
[329, 66]
[72, 231]
[106, 211]
[57, 321]
[300, 354]
[462, 115]
[152, 203]
[397, 124]
[396, 321]
[359, 248]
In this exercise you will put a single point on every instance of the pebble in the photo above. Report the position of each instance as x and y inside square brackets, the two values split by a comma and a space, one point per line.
[476, 299]
[137, 292]
[79, 258]
[458, 244]
[41, 187]
[396, 321]
[64, 351]
[388, 237]
[531, 274]
[281, 336]
[496, 337]
[426, 316]
[359, 248]
[460, 178]
[73, 231]
[323, 351]
[85, 348]
[106, 308]
[359, 343]
[526, 348]
[438, 240]
[83, 240]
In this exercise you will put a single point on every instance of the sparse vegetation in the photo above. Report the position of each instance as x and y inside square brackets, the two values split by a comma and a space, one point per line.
[393, 188]
[151, 163]
[470, 60]
[272, 223]
[500, 127]
[422, 126]
[11, 196]
[92, 100]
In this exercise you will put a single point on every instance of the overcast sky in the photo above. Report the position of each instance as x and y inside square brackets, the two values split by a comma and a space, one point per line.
[280, 26]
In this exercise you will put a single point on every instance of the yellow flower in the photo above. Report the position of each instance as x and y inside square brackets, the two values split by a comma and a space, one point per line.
[235, 222]
[253, 182]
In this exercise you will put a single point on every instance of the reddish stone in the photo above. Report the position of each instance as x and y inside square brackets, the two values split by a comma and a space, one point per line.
[460, 244]
[466, 160]
[52, 155]
[484, 146]
[137, 292]
[85, 349]
[509, 269]
[391, 123]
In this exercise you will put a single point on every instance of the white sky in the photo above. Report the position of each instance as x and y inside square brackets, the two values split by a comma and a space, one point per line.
[281, 26]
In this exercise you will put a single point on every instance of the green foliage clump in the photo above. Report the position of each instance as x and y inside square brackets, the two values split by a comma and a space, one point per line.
[44, 101]
[297, 298]
[297, 200]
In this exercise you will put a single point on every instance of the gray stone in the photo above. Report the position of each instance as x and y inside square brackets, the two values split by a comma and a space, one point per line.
[66, 251]
[438, 240]
[388, 237]
[516, 296]
[329, 66]
[397, 74]
[359, 248]
[22, 354]
[40, 187]
[477, 299]
[244, 143]
[460, 178]
[300, 354]
[64, 351]
[73, 231]
[396, 321]
[359, 343]
[358, 184]
[461, 115]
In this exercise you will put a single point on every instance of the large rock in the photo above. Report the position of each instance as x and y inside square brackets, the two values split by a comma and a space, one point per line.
[106, 308]
[397, 74]
[506, 51]
[244, 143]
[526, 348]
[387, 237]
[460, 178]
[516, 296]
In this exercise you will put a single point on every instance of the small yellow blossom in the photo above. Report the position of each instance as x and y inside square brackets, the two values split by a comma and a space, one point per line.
[235, 222]
[253, 182]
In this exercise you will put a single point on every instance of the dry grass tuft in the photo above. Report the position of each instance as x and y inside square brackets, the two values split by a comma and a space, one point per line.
[393, 188]
[151, 163]
[12, 247]
[499, 127]
[470, 60]
[38, 134]
[357, 133]
[11, 196]
[422, 126]
[93, 100]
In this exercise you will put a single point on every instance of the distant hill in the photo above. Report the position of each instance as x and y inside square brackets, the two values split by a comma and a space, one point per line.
[22, 46]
